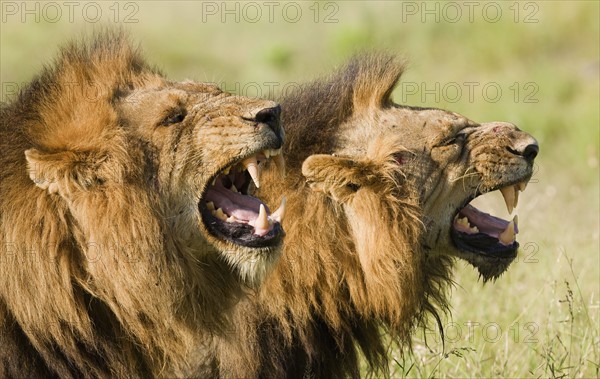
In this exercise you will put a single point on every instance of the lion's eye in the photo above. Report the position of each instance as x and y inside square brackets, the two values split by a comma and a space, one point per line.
[457, 139]
[174, 118]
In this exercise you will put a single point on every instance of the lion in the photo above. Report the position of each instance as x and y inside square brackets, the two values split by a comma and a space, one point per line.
[378, 208]
[128, 230]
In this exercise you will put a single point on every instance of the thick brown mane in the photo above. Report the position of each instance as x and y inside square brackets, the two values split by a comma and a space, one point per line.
[96, 286]
[352, 266]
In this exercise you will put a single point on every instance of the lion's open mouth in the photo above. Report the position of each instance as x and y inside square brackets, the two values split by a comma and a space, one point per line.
[478, 232]
[231, 213]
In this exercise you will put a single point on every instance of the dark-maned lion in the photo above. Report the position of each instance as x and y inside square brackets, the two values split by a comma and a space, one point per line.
[124, 246]
[378, 206]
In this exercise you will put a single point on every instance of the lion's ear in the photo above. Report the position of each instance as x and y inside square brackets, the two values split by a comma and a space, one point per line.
[338, 177]
[375, 77]
[67, 171]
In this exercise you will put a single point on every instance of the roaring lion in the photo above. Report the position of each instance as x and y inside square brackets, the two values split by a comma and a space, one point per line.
[378, 207]
[126, 227]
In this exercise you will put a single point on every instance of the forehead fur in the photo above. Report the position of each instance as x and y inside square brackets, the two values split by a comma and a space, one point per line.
[316, 109]
[71, 102]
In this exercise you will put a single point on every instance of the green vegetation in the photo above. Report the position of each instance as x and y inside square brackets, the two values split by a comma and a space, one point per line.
[541, 319]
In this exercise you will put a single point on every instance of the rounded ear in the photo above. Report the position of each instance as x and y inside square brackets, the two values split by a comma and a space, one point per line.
[338, 177]
[67, 171]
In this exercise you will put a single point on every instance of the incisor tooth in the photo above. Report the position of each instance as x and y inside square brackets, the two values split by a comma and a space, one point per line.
[262, 222]
[231, 219]
[280, 163]
[279, 214]
[251, 165]
[522, 186]
[276, 152]
[210, 205]
[233, 188]
[475, 229]
[509, 197]
[507, 237]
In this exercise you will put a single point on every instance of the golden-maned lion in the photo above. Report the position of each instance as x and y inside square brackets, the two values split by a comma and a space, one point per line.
[378, 205]
[124, 245]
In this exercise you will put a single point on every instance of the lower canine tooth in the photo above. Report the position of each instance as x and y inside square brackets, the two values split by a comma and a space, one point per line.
[234, 189]
[262, 222]
[210, 205]
[507, 237]
[279, 214]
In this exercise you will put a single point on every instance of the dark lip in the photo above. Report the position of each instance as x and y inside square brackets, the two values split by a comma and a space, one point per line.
[240, 234]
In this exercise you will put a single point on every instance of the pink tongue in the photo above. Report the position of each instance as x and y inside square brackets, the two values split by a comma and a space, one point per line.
[486, 223]
[235, 204]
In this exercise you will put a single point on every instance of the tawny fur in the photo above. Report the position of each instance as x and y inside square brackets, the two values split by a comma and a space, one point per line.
[373, 190]
[352, 267]
[104, 271]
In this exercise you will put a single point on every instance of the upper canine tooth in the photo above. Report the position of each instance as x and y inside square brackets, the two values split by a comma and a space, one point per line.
[267, 153]
[280, 163]
[509, 197]
[279, 214]
[226, 171]
[516, 196]
[262, 222]
[251, 165]
[507, 237]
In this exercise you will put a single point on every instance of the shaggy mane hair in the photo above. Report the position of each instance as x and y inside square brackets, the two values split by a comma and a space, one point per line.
[125, 301]
[352, 274]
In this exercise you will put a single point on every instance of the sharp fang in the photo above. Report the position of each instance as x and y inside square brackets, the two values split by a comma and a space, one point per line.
[522, 186]
[280, 163]
[516, 221]
[251, 165]
[516, 196]
[279, 214]
[220, 215]
[234, 189]
[267, 153]
[226, 171]
[210, 205]
[214, 181]
[509, 197]
[507, 237]
[262, 222]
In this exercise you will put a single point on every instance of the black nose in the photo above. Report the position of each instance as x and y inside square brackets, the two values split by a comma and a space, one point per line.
[270, 116]
[531, 151]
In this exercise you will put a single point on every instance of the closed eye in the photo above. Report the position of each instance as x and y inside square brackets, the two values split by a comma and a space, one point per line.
[174, 118]
[458, 139]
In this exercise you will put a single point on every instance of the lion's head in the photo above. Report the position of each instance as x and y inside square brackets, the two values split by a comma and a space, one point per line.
[378, 198]
[443, 157]
[127, 222]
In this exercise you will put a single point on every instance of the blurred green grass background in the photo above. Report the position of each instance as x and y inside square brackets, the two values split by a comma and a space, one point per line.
[541, 319]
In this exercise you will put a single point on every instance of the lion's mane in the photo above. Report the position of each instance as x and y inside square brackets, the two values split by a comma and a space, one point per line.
[353, 277]
[99, 287]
